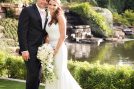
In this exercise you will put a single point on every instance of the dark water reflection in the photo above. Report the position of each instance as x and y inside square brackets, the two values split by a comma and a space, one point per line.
[111, 53]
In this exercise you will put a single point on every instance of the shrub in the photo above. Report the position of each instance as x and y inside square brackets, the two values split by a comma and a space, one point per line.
[96, 20]
[89, 76]
[12, 66]
[116, 5]
[96, 76]
[16, 1]
[129, 4]
[118, 19]
[2, 62]
[15, 67]
[10, 26]
[81, 9]
[127, 18]
[10, 13]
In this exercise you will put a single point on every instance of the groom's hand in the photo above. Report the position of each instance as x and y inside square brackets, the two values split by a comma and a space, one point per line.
[25, 55]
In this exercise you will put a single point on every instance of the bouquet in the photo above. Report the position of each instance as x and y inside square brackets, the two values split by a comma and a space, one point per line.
[45, 54]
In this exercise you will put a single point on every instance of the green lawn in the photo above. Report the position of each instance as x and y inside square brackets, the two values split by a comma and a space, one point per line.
[8, 84]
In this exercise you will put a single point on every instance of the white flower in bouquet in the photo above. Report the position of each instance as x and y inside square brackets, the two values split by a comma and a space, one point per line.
[46, 55]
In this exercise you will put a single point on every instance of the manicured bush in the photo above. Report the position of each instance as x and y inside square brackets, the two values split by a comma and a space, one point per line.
[15, 67]
[12, 66]
[89, 76]
[2, 62]
[96, 76]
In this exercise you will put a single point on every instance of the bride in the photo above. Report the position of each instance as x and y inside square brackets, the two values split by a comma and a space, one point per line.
[56, 29]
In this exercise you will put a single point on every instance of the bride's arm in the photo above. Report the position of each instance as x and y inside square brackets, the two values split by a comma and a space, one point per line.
[62, 30]
[46, 39]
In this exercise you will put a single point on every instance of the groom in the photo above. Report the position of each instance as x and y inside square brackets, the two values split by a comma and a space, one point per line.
[31, 34]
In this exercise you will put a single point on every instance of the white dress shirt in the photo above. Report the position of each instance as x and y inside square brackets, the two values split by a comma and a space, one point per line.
[42, 15]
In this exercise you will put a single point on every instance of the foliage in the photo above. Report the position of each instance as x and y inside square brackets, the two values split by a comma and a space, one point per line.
[81, 9]
[11, 1]
[96, 76]
[118, 19]
[130, 36]
[15, 67]
[10, 28]
[89, 76]
[129, 4]
[12, 66]
[2, 62]
[3, 45]
[63, 1]
[10, 13]
[17, 1]
[127, 18]
[116, 5]
[96, 20]
[129, 15]
[113, 6]
[103, 3]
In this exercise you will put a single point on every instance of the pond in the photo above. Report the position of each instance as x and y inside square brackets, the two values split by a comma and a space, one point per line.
[111, 53]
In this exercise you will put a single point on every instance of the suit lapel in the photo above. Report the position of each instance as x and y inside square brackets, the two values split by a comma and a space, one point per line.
[37, 14]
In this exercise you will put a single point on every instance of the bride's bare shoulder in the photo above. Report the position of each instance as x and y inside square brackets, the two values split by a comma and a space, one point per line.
[61, 16]
[61, 19]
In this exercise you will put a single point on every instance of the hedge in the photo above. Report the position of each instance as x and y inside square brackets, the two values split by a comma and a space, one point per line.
[89, 76]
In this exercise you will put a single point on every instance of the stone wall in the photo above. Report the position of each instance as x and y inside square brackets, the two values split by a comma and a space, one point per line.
[2, 12]
[6, 6]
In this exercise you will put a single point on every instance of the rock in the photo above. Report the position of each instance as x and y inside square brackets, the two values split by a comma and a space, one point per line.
[96, 30]
[112, 39]
[107, 14]
[119, 34]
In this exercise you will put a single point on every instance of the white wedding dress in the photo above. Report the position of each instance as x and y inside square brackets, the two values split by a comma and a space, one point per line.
[64, 78]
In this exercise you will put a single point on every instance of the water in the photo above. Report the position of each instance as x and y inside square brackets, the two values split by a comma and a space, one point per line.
[111, 53]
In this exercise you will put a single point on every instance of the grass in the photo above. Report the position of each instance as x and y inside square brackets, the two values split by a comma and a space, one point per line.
[8, 84]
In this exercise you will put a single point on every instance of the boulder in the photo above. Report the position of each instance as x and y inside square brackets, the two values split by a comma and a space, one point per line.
[107, 14]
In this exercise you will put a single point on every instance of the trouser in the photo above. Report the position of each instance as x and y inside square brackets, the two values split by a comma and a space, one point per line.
[33, 67]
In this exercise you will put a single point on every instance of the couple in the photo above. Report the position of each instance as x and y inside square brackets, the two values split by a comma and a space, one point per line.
[37, 25]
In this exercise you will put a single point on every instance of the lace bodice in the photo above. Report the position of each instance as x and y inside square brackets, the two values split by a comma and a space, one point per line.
[53, 32]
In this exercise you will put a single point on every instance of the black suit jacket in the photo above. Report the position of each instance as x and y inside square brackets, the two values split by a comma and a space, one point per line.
[30, 32]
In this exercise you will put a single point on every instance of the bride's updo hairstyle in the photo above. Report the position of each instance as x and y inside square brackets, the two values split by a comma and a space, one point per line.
[57, 12]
